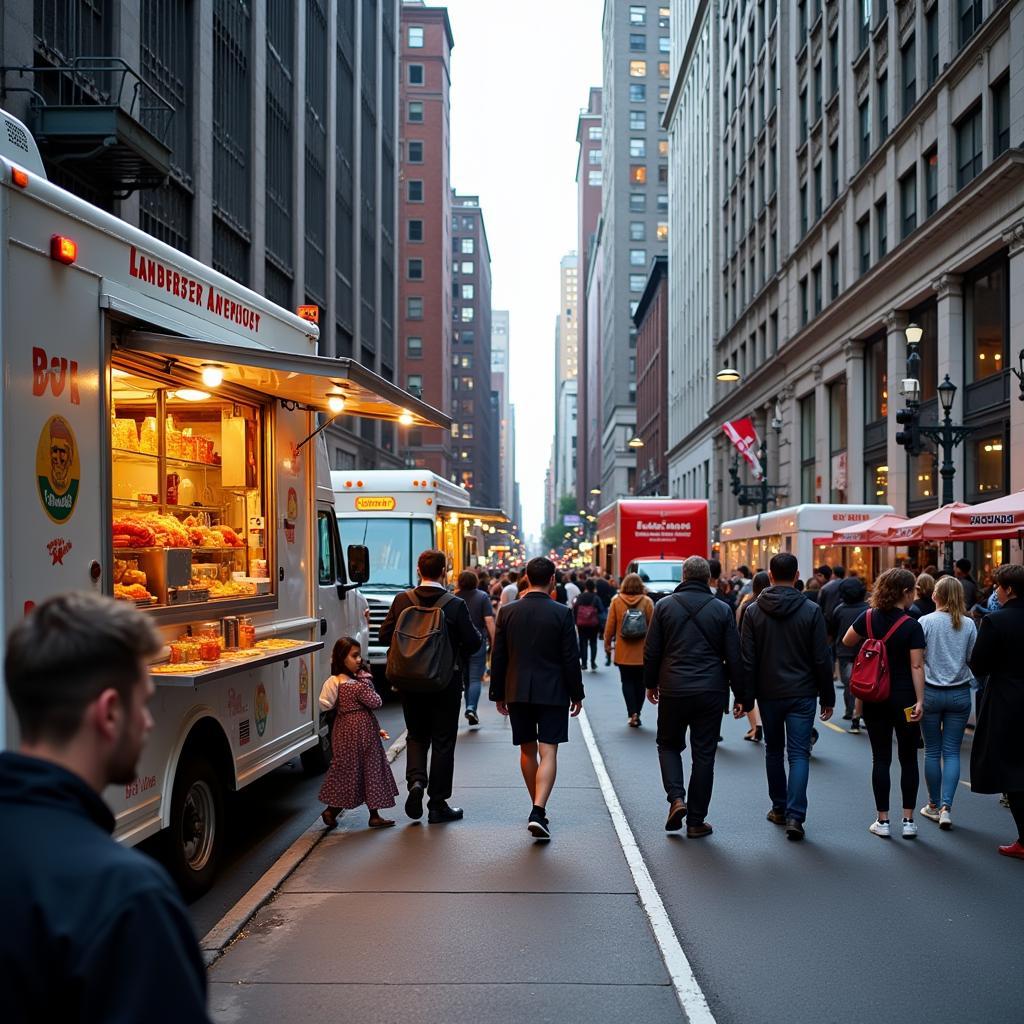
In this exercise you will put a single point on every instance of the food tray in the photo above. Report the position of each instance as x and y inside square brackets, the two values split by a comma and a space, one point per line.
[190, 674]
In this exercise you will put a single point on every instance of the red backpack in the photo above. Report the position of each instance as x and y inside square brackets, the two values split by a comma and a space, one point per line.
[587, 616]
[869, 679]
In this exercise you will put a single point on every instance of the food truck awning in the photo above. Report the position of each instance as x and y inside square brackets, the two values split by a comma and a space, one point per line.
[991, 520]
[933, 525]
[307, 380]
[870, 533]
[485, 515]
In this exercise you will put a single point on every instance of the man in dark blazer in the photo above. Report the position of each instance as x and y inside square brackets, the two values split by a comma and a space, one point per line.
[537, 683]
[432, 719]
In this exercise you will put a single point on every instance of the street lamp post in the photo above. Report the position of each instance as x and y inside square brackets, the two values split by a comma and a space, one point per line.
[758, 493]
[946, 435]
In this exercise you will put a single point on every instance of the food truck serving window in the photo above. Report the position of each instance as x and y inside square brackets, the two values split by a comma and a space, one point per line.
[188, 493]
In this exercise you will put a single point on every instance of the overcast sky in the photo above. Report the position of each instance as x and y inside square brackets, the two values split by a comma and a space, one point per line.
[521, 71]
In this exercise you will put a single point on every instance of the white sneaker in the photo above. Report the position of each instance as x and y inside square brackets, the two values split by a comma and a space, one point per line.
[909, 829]
[930, 812]
[945, 819]
[880, 828]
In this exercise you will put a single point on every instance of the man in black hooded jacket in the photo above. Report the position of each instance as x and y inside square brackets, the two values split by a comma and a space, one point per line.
[788, 665]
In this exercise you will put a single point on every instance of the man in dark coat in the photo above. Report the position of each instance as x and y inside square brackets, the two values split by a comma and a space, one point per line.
[997, 754]
[537, 683]
[691, 657]
[93, 931]
[432, 719]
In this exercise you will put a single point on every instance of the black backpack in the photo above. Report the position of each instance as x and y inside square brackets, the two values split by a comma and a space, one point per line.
[421, 658]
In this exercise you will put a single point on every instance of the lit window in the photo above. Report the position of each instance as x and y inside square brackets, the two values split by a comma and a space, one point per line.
[662, 232]
[416, 37]
[663, 69]
[663, 94]
[663, 147]
[638, 69]
[638, 174]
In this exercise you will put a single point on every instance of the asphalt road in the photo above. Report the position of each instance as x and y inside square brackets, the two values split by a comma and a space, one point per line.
[844, 926]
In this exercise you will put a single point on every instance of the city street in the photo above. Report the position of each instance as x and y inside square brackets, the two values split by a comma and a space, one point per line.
[475, 920]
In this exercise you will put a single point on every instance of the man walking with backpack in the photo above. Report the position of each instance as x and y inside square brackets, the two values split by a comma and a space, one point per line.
[537, 682]
[788, 665]
[431, 637]
[691, 658]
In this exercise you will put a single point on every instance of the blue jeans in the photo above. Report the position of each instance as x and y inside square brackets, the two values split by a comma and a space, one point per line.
[787, 726]
[477, 667]
[945, 718]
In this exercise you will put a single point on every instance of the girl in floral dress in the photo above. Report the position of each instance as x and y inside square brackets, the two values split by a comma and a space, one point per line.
[359, 772]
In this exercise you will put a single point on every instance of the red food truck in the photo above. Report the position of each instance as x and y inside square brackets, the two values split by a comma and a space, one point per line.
[649, 529]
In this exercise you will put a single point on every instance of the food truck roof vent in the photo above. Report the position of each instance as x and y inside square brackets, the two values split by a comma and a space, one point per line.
[18, 146]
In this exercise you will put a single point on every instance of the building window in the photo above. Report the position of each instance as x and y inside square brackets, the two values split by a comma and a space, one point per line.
[833, 164]
[467, 431]
[908, 203]
[803, 116]
[816, 296]
[837, 440]
[638, 69]
[931, 181]
[663, 69]
[882, 226]
[1001, 116]
[882, 83]
[637, 282]
[816, 91]
[415, 112]
[415, 190]
[864, 243]
[662, 231]
[414, 270]
[637, 202]
[818, 197]
[637, 148]
[595, 156]
[808, 442]
[638, 120]
[415, 232]
[662, 174]
[663, 202]
[466, 267]
[467, 292]
[414, 307]
[664, 44]
[986, 467]
[662, 147]
[414, 347]
[986, 320]
[969, 13]
[864, 114]
[968, 147]
[637, 93]
[864, 25]
[467, 247]
[637, 14]
[931, 38]
[467, 314]
[908, 71]
[833, 67]
[637, 231]
[803, 301]
[594, 179]
[801, 22]
[803, 209]
[833, 273]
[416, 37]
[638, 257]
[415, 152]
[414, 384]
[637, 41]
[876, 380]
[415, 74]
[638, 174]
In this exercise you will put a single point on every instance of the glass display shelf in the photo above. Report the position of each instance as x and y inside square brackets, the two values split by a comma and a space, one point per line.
[147, 458]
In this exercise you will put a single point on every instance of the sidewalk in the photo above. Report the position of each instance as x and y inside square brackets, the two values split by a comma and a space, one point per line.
[463, 922]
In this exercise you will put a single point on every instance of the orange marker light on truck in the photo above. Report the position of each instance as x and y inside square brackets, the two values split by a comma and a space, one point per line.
[63, 249]
[19, 177]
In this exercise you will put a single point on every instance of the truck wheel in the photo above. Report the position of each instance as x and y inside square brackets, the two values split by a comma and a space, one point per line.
[195, 836]
[317, 760]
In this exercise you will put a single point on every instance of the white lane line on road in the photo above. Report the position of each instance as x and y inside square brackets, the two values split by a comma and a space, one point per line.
[688, 991]
[227, 928]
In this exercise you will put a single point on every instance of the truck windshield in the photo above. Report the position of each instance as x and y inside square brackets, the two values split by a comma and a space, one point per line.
[394, 545]
[660, 572]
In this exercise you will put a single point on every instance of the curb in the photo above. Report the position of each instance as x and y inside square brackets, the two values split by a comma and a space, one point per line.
[226, 930]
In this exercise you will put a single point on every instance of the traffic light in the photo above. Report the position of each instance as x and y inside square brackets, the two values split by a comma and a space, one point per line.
[910, 437]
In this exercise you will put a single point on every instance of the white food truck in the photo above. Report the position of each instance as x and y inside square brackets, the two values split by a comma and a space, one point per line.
[397, 514]
[802, 530]
[160, 445]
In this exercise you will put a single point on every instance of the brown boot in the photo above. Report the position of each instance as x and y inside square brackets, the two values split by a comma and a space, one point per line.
[676, 813]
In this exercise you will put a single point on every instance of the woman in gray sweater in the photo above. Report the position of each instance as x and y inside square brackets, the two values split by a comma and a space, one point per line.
[949, 634]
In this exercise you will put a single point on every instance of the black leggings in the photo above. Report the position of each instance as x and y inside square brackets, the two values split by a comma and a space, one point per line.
[1016, 801]
[882, 720]
[588, 639]
[633, 692]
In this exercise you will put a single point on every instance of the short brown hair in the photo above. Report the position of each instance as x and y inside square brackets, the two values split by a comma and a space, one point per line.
[1011, 577]
[66, 652]
[432, 564]
[468, 580]
[890, 588]
[632, 584]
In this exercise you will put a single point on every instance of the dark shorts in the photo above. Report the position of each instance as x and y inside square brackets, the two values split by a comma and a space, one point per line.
[548, 723]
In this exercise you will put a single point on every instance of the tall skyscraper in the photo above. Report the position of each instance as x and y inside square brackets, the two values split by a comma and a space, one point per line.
[634, 213]
[500, 382]
[425, 242]
[567, 323]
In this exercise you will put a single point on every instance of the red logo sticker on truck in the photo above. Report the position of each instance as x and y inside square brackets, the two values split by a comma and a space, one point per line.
[57, 469]
[56, 374]
[57, 549]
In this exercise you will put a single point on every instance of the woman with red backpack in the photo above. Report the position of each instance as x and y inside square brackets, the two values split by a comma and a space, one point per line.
[587, 613]
[888, 676]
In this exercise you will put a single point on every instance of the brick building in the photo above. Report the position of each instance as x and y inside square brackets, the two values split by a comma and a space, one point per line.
[651, 320]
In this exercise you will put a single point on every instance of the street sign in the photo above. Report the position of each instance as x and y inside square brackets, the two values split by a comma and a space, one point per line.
[571, 520]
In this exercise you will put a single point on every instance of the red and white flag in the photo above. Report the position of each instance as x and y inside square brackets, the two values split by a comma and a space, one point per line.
[744, 437]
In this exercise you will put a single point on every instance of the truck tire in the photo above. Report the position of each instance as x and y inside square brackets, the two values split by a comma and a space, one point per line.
[317, 760]
[196, 834]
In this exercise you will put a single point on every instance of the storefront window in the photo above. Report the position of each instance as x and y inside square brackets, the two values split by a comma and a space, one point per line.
[876, 483]
[876, 380]
[986, 311]
[986, 468]
[923, 481]
[186, 482]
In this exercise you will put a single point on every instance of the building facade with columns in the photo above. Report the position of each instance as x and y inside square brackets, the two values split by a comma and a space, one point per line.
[884, 185]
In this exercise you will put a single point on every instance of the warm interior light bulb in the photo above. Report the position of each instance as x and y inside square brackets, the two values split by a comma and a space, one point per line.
[213, 375]
[190, 395]
[406, 418]
[335, 403]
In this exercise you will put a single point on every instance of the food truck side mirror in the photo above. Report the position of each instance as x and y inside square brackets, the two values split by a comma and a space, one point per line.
[358, 564]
